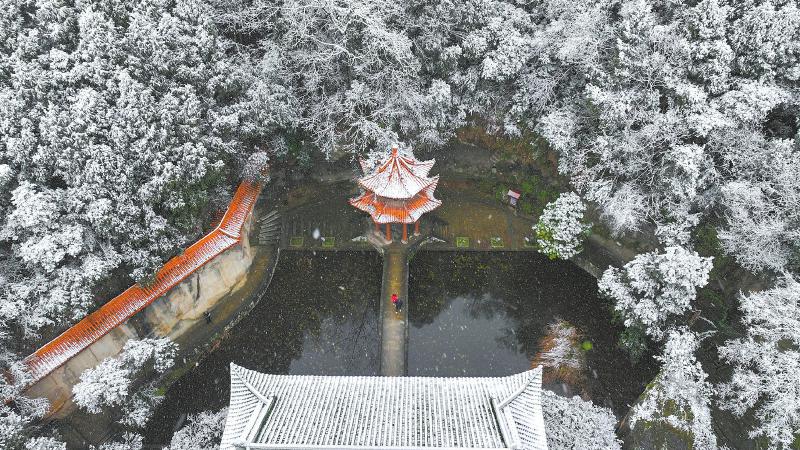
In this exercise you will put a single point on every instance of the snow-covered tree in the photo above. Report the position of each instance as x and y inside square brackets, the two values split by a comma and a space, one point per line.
[45, 443]
[653, 288]
[140, 406]
[680, 396]
[19, 414]
[628, 143]
[352, 68]
[574, 424]
[115, 122]
[128, 441]
[763, 204]
[104, 385]
[766, 363]
[684, 98]
[109, 383]
[255, 169]
[561, 230]
[562, 349]
[202, 432]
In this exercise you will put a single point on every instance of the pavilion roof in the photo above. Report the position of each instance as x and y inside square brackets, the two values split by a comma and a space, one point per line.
[378, 159]
[399, 177]
[390, 210]
[390, 413]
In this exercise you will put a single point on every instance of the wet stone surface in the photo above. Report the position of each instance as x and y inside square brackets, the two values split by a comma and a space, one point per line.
[319, 316]
[484, 314]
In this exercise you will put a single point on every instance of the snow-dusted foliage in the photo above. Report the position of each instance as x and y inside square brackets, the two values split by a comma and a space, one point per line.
[653, 288]
[680, 396]
[202, 432]
[140, 406]
[45, 443]
[563, 349]
[682, 98]
[19, 414]
[256, 166]
[115, 119]
[128, 441]
[561, 230]
[574, 424]
[104, 385]
[763, 207]
[352, 68]
[766, 362]
[507, 62]
[108, 384]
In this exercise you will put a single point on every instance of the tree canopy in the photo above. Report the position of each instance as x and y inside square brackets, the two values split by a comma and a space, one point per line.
[122, 123]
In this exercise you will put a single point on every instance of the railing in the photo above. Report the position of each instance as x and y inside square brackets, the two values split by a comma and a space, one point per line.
[122, 307]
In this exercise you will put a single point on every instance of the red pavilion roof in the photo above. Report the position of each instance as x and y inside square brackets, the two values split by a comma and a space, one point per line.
[397, 190]
[399, 177]
[385, 210]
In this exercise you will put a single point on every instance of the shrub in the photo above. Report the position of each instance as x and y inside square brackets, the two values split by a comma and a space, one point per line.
[561, 230]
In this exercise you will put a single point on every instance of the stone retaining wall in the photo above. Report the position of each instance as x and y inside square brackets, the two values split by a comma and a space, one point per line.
[170, 315]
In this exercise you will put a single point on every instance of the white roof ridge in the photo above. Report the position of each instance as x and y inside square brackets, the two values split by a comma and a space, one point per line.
[266, 399]
[349, 412]
[522, 411]
[529, 379]
[533, 377]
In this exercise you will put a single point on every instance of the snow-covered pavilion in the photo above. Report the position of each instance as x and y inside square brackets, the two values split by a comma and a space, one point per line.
[397, 190]
[387, 413]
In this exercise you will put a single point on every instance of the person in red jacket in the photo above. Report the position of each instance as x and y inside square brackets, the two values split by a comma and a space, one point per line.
[398, 304]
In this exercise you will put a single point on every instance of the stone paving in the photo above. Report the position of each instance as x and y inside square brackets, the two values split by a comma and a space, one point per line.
[394, 324]
[327, 222]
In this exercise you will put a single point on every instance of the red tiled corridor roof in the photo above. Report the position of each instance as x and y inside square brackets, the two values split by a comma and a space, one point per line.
[122, 307]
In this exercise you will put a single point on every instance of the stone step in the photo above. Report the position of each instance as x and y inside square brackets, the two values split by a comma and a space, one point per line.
[271, 227]
[270, 238]
[270, 216]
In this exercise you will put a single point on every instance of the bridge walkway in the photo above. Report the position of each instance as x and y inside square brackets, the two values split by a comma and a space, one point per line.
[394, 324]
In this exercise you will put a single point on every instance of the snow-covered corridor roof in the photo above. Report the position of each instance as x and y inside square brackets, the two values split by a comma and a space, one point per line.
[122, 307]
[334, 412]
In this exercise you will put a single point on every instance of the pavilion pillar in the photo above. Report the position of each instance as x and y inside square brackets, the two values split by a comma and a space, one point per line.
[416, 228]
[389, 232]
[405, 232]
[377, 227]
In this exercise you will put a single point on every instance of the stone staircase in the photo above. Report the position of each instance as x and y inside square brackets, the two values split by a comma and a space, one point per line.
[270, 228]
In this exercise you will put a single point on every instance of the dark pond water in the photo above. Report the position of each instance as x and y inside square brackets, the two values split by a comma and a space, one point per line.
[471, 313]
[318, 316]
[481, 314]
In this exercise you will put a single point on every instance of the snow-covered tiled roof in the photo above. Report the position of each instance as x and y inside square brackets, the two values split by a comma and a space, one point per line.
[334, 412]
[122, 307]
[399, 177]
[377, 159]
[389, 210]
